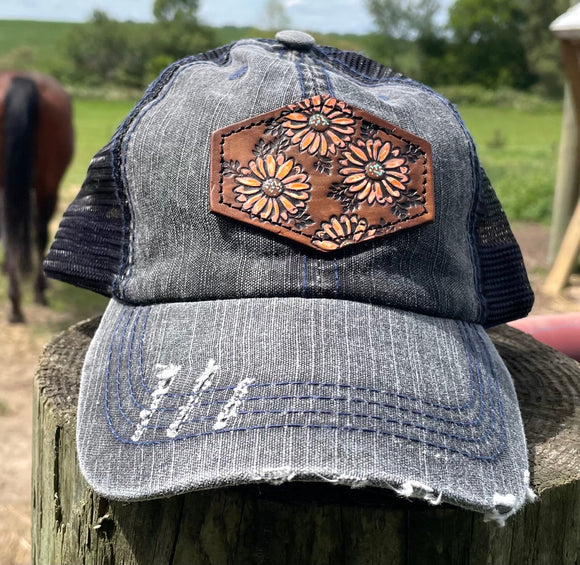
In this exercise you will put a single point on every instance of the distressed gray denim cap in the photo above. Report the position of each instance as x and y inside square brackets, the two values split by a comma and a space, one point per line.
[230, 354]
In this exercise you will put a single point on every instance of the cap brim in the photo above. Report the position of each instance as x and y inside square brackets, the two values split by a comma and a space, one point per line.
[186, 396]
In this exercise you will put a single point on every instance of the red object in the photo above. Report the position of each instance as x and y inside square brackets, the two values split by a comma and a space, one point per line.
[560, 331]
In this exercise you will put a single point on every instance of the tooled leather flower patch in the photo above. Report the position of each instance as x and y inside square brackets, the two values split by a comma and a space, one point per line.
[319, 125]
[323, 173]
[272, 188]
[374, 171]
[338, 232]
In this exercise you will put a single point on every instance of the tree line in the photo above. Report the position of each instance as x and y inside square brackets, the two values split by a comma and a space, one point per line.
[492, 43]
[107, 51]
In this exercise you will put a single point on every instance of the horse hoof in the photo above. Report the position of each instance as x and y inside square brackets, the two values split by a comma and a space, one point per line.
[17, 318]
[41, 300]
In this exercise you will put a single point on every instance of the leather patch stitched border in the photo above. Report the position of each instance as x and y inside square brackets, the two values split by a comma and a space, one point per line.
[323, 173]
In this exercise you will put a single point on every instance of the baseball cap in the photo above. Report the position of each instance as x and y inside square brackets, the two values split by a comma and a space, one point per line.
[302, 252]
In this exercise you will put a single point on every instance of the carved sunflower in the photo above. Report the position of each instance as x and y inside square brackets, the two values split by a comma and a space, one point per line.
[338, 232]
[272, 188]
[374, 170]
[319, 125]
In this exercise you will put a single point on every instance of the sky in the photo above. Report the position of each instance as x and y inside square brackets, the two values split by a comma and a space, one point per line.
[340, 16]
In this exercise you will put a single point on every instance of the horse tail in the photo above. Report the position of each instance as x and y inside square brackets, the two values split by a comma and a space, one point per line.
[20, 126]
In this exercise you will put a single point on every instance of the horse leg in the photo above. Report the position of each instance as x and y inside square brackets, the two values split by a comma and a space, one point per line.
[16, 316]
[45, 208]
[40, 283]
[10, 269]
[20, 119]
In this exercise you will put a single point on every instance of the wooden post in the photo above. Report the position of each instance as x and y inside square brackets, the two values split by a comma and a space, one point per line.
[307, 523]
[567, 257]
[567, 29]
[566, 188]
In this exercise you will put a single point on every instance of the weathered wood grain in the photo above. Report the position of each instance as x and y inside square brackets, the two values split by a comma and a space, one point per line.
[306, 523]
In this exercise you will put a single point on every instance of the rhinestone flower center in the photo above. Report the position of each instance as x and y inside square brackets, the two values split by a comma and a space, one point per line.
[273, 187]
[375, 170]
[318, 122]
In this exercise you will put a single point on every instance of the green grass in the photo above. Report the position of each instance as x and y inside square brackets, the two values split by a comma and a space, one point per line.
[519, 151]
[95, 122]
[30, 44]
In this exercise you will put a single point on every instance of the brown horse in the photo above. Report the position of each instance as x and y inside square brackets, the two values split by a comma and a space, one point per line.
[36, 145]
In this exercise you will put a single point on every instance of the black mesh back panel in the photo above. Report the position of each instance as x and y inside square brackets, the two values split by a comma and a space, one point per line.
[93, 237]
[89, 241]
[358, 66]
[504, 282]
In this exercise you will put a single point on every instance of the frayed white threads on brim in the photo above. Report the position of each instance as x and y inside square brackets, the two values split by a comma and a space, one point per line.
[279, 475]
[276, 475]
[204, 381]
[531, 496]
[164, 379]
[230, 410]
[346, 480]
[506, 505]
[416, 489]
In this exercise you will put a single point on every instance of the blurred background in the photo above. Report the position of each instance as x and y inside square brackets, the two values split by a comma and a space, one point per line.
[495, 59]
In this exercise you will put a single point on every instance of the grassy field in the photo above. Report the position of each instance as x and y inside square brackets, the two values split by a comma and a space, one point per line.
[41, 45]
[32, 45]
[519, 150]
[41, 36]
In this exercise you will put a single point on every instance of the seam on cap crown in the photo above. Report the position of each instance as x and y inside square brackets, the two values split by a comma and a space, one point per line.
[154, 93]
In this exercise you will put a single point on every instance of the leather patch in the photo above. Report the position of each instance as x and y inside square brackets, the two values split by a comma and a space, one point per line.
[323, 173]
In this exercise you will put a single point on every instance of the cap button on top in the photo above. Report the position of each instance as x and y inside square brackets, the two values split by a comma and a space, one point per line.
[296, 39]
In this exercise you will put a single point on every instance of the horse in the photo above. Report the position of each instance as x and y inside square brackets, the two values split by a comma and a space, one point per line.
[36, 147]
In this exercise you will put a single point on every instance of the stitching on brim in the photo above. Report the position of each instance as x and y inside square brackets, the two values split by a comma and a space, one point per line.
[211, 390]
[316, 412]
[436, 405]
[313, 426]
